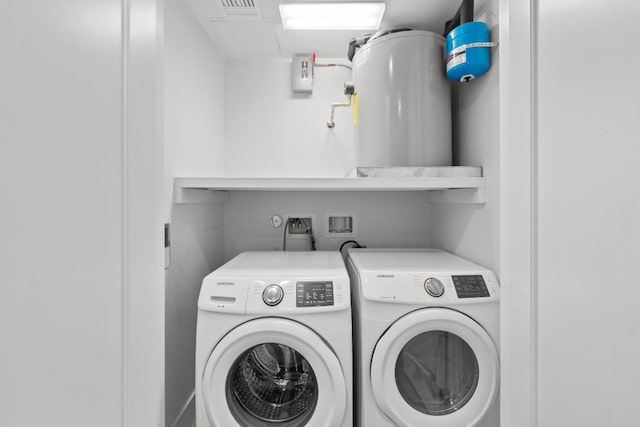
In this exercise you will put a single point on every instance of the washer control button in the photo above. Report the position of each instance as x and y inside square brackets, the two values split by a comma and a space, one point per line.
[434, 287]
[272, 295]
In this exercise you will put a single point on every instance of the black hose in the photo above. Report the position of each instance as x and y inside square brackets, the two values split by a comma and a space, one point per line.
[463, 15]
[350, 241]
[284, 235]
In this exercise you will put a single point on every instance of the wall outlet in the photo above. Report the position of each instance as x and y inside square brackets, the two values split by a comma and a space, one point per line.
[298, 229]
[341, 225]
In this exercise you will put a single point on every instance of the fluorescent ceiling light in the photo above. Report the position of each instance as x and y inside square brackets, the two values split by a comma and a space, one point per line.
[331, 16]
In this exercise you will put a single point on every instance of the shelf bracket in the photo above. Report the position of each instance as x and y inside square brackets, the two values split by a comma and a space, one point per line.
[199, 195]
[476, 196]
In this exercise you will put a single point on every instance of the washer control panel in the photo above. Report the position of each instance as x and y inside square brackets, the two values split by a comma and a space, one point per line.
[272, 295]
[278, 282]
[297, 295]
[314, 294]
[434, 287]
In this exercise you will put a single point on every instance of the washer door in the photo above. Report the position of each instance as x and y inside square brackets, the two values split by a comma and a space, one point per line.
[273, 372]
[435, 367]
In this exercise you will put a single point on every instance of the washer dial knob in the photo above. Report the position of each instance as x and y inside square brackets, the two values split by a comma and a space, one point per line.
[272, 295]
[434, 287]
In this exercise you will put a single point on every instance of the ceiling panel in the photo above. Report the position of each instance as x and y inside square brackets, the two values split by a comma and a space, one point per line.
[265, 37]
[247, 38]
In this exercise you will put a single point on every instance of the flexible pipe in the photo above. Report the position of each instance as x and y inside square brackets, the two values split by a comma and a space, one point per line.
[331, 124]
[315, 64]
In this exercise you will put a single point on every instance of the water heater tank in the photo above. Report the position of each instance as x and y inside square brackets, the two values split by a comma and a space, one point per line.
[403, 101]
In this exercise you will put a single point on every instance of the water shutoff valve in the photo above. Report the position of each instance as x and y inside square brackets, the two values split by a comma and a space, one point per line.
[349, 88]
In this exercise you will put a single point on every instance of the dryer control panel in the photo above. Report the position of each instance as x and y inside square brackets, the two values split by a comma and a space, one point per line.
[430, 287]
[420, 276]
[470, 286]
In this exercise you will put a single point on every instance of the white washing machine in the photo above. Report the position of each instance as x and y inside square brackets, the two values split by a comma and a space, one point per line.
[274, 343]
[426, 334]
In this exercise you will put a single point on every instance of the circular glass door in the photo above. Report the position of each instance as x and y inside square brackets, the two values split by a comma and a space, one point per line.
[436, 373]
[272, 383]
[435, 367]
[273, 372]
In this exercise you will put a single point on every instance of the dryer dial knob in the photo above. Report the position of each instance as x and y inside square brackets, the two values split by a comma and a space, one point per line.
[272, 295]
[434, 287]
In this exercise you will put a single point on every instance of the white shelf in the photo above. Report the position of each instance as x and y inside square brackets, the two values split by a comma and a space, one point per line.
[447, 189]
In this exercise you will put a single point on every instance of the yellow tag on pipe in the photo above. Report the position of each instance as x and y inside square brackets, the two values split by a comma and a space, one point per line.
[355, 108]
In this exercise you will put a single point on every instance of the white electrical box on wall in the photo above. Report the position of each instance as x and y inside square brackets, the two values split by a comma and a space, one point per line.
[302, 74]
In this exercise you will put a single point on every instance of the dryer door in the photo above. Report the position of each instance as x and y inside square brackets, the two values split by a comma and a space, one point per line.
[435, 367]
[273, 372]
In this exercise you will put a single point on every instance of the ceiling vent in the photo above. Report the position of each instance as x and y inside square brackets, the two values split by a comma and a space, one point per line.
[240, 8]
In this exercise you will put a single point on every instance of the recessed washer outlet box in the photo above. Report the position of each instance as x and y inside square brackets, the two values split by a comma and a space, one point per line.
[301, 233]
[340, 224]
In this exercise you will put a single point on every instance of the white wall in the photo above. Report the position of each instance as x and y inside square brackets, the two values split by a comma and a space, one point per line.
[197, 249]
[78, 345]
[194, 88]
[194, 93]
[143, 299]
[61, 220]
[588, 214]
[467, 230]
[517, 308]
[384, 219]
[269, 131]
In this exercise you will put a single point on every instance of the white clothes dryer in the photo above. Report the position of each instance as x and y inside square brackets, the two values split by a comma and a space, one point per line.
[426, 339]
[274, 342]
